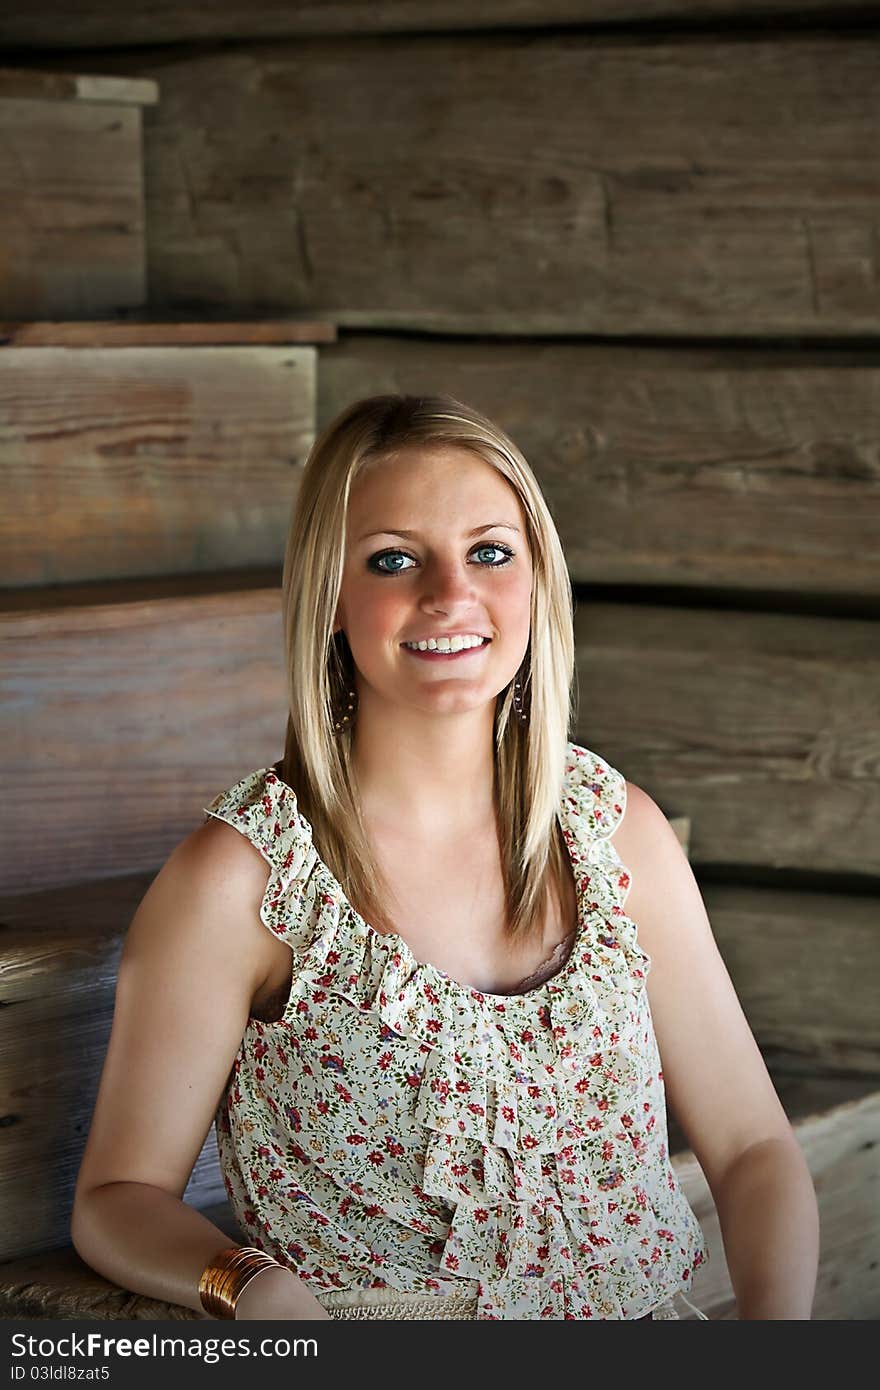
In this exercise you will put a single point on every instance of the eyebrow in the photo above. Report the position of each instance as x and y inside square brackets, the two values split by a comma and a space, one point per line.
[410, 535]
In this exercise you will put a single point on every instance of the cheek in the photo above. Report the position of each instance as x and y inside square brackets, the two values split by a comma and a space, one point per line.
[515, 596]
[372, 611]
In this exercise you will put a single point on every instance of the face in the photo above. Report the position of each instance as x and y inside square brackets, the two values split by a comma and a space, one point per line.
[464, 568]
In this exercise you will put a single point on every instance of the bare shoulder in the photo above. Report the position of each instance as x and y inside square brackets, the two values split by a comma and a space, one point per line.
[221, 854]
[644, 834]
[214, 877]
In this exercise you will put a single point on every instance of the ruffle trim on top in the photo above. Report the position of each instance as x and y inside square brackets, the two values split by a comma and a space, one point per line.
[533, 1104]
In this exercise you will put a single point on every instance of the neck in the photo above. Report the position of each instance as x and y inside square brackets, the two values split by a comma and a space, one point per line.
[425, 774]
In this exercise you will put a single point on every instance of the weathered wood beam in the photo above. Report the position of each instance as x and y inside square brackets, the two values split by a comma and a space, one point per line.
[99, 23]
[535, 184]
[732, 468]
[128, 461]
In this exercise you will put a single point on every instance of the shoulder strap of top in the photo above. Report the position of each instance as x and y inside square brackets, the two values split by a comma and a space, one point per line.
[594, 794]
[264, 809]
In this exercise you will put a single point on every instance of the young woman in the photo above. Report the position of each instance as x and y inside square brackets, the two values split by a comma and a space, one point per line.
[424, 969]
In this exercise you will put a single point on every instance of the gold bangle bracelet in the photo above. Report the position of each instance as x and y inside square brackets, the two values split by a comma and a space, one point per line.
[228, 1274]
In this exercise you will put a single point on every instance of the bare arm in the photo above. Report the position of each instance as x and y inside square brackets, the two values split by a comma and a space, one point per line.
[194, 957]
[716, 1081]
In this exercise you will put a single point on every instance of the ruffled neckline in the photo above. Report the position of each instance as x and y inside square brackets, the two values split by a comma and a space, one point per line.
[585, 826]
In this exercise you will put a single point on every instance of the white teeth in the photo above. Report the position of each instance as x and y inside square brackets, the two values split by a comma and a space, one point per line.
[446, 644]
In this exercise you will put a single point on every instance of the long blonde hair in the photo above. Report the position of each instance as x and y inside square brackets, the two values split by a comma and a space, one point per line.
[529, 759]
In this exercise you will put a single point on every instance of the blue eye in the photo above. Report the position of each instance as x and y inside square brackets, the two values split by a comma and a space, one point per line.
[373, 561]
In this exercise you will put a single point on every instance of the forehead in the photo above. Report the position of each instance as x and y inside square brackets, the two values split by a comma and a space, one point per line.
[419, 478]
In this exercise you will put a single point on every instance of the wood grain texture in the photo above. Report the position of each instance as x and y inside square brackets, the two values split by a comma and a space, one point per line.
[804, 966]
[763, 728]
[740, 469]
[149, 460]
[841, 1148]
[71, 208]
[99, 23]
[522, 183]
[736, 468]
[122, 720]
[166, 333]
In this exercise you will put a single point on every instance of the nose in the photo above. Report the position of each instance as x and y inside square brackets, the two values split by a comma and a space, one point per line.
[447, 586]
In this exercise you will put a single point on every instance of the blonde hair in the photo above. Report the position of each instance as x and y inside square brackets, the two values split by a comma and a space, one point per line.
[529, 759]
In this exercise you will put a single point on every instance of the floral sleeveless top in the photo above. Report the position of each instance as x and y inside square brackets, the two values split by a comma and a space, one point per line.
[396, 1128]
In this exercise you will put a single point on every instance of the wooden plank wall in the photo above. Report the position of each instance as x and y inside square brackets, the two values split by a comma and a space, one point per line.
[643, 237]
[72, 232]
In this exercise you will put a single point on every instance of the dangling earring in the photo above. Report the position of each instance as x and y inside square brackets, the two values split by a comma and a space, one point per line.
[345, 718]
[518, 699]
[344, 709]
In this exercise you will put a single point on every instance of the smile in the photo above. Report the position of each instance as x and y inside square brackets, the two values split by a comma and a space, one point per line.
[455, 650]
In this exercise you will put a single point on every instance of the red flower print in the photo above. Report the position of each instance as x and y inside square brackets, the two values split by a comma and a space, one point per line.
[632, 1219]
[481, 1215]
[385, 1061]
[333, 1063]
[377, 1158]
[451, 1261]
